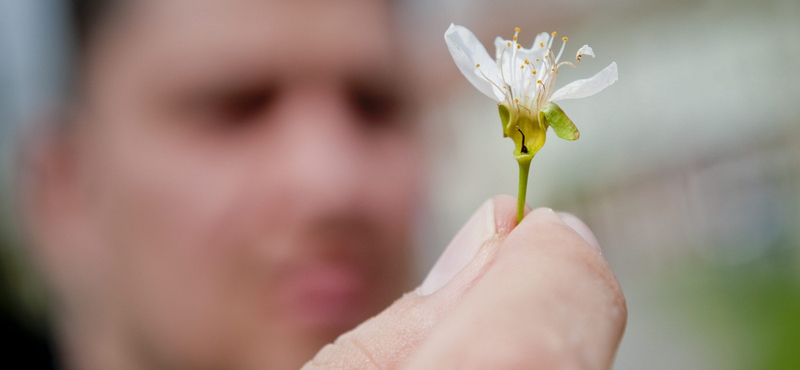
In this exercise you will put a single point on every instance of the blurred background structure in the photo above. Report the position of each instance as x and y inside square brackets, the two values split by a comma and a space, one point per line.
[688, 169]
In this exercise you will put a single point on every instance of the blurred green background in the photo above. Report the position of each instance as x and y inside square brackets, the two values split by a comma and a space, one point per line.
[688, 169]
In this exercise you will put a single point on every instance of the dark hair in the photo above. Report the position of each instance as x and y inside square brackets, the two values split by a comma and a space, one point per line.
[86, 17]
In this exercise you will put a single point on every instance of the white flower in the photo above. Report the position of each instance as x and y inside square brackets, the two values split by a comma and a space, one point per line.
[522, 81]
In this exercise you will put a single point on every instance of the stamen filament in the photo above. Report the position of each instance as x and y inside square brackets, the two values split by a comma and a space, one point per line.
[560, 52]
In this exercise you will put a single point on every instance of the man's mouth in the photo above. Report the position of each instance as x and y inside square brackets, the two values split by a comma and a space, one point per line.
[325, 295]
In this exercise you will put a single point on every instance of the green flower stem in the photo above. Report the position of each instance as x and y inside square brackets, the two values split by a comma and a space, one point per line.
[524, 167]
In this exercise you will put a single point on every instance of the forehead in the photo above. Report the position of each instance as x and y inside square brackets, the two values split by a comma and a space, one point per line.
[290, 36]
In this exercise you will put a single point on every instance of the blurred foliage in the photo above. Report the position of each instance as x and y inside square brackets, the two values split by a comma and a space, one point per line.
[23, 329]
[751, 309]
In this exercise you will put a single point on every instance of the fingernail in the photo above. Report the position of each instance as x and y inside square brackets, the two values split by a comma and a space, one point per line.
[463, 248]
[576, 224]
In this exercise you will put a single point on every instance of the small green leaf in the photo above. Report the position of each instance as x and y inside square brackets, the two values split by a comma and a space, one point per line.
[505, 115]
[552, 115]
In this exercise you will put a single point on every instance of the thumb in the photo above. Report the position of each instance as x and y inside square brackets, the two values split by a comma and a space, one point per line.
[549, 301]
[387, 340]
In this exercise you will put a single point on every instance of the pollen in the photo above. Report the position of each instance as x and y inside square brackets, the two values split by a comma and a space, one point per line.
[519, 46]
[522, 67]
[538, 81]
[534, 72]
[509, 43]
[537, 59]
[515, 38]
[565, 39]
[478, 65]
[527, 61]
[516, 100]
[545, 57]
[541, 44]
[554, 33]
[517, 29]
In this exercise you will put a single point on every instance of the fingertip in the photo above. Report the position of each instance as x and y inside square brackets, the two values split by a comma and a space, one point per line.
[506, 213]
[581, 228]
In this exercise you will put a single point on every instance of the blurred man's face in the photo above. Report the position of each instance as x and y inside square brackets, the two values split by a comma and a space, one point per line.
[249, 173]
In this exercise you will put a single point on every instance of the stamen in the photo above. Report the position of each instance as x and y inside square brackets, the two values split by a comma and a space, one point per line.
[516, 29]
[554, 33]
[567, 63]
[477, 65]
[502, 74]
[509, 44]
[518, 45]
[560, 52]
[515, 38]
[490, 81]
[565, 39]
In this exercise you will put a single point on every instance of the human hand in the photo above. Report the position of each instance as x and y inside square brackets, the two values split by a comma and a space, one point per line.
[535, 296]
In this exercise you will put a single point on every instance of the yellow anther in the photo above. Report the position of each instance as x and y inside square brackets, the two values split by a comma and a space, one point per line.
[565, 39]
[516, 100]
[534, 72]
[545, 57]
[541, 44]
[553, 69]
[579, 56]
[527, 61]
[554, 33]
[522, 67]
[537, 59]
[515, 37]
[505, 86]
[516, 29]
[519, 46]
[509, 44]
[477, 65]
[538, 81]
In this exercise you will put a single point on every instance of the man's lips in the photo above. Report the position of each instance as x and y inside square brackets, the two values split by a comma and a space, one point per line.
[327, 294]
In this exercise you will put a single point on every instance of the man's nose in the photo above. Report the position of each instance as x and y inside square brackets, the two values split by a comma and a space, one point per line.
[326, 151]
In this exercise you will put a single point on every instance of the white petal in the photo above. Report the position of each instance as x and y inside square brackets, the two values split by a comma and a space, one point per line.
[467, 52]
[499, 45]
[588, 87]
[585, 50]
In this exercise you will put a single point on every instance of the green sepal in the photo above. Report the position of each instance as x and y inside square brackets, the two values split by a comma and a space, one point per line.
[552, 115]
[505, 116]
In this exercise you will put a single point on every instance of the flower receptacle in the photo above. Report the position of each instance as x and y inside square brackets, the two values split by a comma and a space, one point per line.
[524, 128]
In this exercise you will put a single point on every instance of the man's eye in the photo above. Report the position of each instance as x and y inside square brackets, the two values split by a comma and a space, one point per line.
[238, 108]
[375, 108]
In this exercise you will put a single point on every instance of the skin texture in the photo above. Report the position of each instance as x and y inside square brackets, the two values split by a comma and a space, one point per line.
[235, 188]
